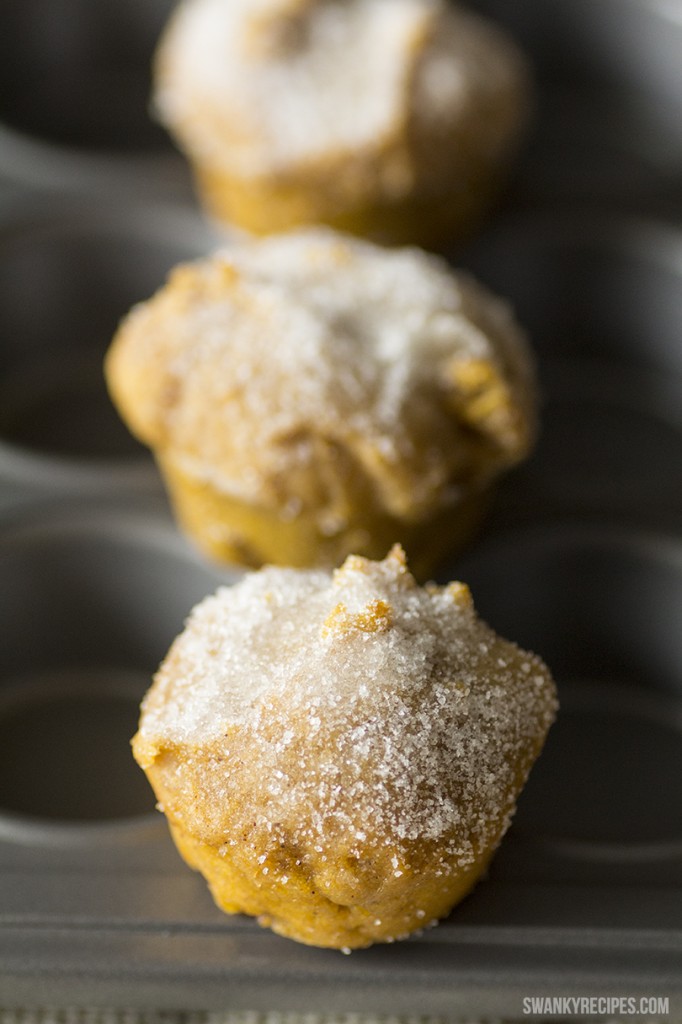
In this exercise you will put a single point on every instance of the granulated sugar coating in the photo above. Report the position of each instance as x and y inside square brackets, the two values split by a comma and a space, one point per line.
[340, 756]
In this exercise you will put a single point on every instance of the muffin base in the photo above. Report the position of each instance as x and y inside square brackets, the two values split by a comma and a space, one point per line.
[234, 532]
[293, 902]
[264, 206]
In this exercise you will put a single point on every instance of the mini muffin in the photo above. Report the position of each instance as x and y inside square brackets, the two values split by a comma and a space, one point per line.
[340, 755]
[313, 395]
[391, 119]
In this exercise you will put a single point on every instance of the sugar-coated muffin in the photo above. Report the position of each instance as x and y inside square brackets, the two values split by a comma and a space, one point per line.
[313, 395]
[341, 755]
[392, 119]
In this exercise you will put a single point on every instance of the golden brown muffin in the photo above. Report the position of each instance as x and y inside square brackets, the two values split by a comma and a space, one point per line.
[312, 395]
[392, 119]
[340, 755]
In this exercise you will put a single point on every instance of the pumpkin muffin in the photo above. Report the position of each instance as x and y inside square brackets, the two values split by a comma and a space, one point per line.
[309, 396]
[340, 755]
[392, 119]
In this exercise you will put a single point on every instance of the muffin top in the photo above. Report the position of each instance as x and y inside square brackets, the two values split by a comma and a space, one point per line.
[260, 87]
[256, 366]
[324, 708]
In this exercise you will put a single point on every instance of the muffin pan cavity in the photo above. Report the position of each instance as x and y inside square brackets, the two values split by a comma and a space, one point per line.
[606, 789]
[64, 747]
[68, 273]
[89, 603]
[602, 607]
[601, 297]
[609, 77]
[80, 116]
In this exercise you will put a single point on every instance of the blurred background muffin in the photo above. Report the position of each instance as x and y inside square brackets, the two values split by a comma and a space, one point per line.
[392, 119]
[312, 395]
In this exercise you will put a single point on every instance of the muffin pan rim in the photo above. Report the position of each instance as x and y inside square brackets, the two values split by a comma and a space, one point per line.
[36, 163]
[21, 465]
[590, 528]
[623, 229]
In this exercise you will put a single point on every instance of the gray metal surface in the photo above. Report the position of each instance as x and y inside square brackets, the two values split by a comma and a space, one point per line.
[580, 557]
[607, 121]
[69, 270]
[75, 99]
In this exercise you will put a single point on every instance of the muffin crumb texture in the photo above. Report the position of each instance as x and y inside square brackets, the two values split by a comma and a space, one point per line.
[340, 755]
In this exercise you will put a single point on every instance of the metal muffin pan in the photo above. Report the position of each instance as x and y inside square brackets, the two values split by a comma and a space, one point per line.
[601, 298]
[583, 896]
[603, 605]
[92, 597]
[580, 559]
[607, 121]
[89, 602]
[75, 98]
[69, 270]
